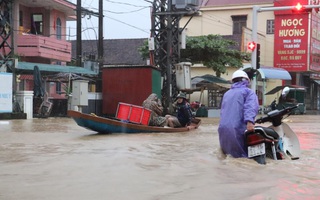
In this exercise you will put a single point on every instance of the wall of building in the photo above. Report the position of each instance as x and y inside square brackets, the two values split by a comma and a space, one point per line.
[130, 85]
[218, 20]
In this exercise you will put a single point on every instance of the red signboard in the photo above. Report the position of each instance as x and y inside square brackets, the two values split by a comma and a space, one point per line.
[291, 42]
[297, 38]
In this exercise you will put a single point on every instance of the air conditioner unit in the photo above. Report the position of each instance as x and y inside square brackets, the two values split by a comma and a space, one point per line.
[183, 4]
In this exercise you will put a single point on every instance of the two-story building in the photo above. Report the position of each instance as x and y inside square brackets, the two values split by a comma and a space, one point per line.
[33, 32]
[233, 20]
[288, 40]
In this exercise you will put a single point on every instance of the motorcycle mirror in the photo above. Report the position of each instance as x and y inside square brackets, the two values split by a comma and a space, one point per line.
[285, 92]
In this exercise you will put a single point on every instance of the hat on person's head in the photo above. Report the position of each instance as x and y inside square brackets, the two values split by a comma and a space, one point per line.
[181, 95]
[239, 74]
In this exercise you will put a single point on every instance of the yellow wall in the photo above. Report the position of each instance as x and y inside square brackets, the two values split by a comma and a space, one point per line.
[217, 20]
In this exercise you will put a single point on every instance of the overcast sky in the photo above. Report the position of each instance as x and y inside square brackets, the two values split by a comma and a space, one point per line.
[122, 19]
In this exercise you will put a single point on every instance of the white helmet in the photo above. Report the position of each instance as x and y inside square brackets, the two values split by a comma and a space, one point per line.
[240, 74]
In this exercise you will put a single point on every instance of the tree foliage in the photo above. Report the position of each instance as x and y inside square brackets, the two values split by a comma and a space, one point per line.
[144, 50]
[213, 51]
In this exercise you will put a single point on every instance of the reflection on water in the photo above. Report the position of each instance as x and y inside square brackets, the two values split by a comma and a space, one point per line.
[56, 159]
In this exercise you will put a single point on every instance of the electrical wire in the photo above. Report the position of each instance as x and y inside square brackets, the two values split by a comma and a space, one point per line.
[105, 12]
[128, 4]
[133, 11]
[128, 24]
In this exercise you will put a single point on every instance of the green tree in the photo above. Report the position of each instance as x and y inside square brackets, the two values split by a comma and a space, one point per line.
[213, 51]
[144, 50]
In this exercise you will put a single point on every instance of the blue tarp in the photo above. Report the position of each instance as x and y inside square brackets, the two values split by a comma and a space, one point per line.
[55, 68]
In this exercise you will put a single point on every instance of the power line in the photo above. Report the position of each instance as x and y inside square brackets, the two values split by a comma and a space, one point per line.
[122, 12]
[122, 5]
[127, 24]
[127, 4]
[126, 12]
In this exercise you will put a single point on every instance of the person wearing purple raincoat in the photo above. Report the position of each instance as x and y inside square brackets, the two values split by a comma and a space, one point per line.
[238, 111]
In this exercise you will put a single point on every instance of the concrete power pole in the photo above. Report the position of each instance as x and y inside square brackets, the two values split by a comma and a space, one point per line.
[82, 11]
[100, 43]
[79, 38]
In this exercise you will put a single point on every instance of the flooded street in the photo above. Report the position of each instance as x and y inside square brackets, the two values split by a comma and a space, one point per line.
[53, 159]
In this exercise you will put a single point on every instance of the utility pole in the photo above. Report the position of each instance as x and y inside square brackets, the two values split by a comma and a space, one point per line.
[79, 38]
[170, 58]
[166, 31]
[7, 44]
[100, 43]
[7, 35]
[82, 11]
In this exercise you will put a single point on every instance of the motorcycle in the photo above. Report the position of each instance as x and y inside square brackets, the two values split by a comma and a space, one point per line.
[277, 141]
[271, 107]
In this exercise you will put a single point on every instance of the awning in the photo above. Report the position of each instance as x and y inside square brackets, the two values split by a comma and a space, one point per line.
[55, 68]
[317, 81]
[210, 82]
[271, 72]
[208, 78]
[274, 73]
[291, 87]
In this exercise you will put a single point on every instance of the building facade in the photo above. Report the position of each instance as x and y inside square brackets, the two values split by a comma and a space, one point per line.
[41, 30]
[33, 33]
[297, 47]
[235, 18]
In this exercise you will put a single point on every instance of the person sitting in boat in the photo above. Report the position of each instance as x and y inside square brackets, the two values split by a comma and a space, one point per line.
[184, 113]
[153, 103]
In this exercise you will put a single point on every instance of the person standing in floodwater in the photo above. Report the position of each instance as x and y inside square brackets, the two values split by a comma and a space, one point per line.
[238, 111]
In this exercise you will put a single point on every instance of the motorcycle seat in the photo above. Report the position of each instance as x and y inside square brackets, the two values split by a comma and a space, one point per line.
[267, 132]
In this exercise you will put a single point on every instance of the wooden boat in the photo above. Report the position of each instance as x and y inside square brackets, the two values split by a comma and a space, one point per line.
[113, 125]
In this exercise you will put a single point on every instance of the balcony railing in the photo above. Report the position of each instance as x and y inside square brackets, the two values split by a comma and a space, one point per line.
[44, 47]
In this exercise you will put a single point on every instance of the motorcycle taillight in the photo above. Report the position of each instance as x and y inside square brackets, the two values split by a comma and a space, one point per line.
[254, 139]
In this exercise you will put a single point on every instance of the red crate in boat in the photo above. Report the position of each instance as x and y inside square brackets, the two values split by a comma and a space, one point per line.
[133, 113]
[146, 116]
[136, 114]
[123, 111]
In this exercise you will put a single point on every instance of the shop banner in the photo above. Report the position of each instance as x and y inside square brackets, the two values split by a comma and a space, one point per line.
[5, 93]
[291, 42]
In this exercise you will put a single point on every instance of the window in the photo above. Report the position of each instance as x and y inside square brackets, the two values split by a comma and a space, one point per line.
[37, 24]
[58, 28]
[270, 26]
[214, 99]
[58, 87]
[239, 21]
[20, 18]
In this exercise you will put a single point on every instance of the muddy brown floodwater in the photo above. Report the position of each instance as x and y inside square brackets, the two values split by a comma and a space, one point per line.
[53, 159]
